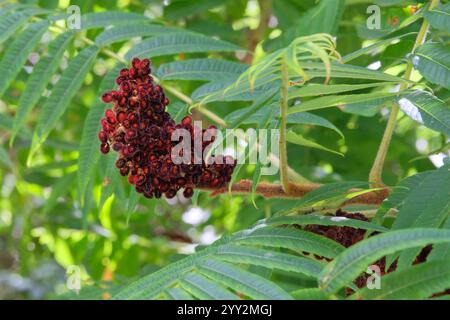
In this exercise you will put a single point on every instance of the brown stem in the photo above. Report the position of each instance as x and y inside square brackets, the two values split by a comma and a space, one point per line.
[268, 190]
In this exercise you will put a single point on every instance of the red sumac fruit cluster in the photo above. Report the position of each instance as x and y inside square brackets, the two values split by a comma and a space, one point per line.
[139, 129]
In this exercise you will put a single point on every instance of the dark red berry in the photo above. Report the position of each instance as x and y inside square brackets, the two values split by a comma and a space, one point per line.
[145, 63]
[117, 146]
[120, 163]
[102, 136]
[121, 117]
[116, 94]
[187, 121]
[188, 192]
[136, 63]
[124, 72]
[107, 97]
[214, 183]
[170, 194]
[124, 171]
[110, 116]
[104, 148]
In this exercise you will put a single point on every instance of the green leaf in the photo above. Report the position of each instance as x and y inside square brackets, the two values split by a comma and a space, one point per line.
[89, 148]
[110, 180]
[200, 69]
[4, 158]
[178, 110]
[59, 189]
[368, 108]
[427, 203]
[133, 200]
[428, 110]
[178, 43]
[151, 285]
[179, 294]
[269, 259]
[12, 23]
[322, 18]
[263, 122]
[385, 42]
[183, 8]
[290, 238]
[298, 139]
[418, 282]
[333, 101]
[441, 251]
[206, 262]
[54, 165]
[62, 93]
[259, 109]
[38, 80]
[243, 281]
[225, 91]
[7, 8]
[205, 289]
[310, 294]
[306, 118]
[321, 196]
[129, 31]
[266, 144]
[247, 115]
[439, 17]
[434, 63]
[95, 20]
[17, 53]
[340, 70]
[237, 170]
[387, 3]
[350, 263]
[399, 193]
[322, 89]
[322, 220]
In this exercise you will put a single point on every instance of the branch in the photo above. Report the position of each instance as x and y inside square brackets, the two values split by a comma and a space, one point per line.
[268, 190]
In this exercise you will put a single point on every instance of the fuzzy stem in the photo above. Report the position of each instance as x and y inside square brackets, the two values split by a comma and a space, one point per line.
[376, 172]
[268, 190]
[284, 176]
